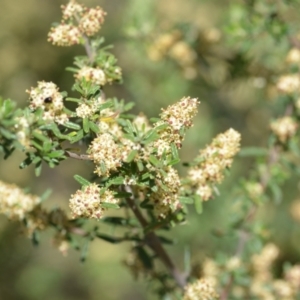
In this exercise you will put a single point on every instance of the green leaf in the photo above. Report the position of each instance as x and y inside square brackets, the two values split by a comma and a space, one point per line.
[7, 134]
[58, 153]
[45, 195]
[154, 161]
[94, 127]
[186, 200]
[26, 162]
[253, 151]
[122, 195]
[131, 156]
[128, 106]
[140, 166]
[36, 145]
[149, 137]
[47, 146]
[38, 169]
[109, 205]
[106, 104]
[165, 240]
[76, 138]
[84, 251]
[81, 180]
[119, 221]
[198, 204]
[110, 239]
[276, 192]
[173, 162]
[145, 258]
[117, 181]
[40, 136]
[73, 100]
[174, 152]
[85, 123]
[72, 125]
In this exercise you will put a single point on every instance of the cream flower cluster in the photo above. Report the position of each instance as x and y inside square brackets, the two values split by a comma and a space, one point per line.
[202, 289]
[284, 128]
[87, 109]
[90, 22]
[212, 161]
[289, 83]
[181, 113]
[176, 116]
[47, 97]
[22, 128]
[77, 22]
[72, 9]
[166, 200]
[14, 203]
[106, 154]
[95, 75]
[172, 45]
[88, 202]
[64, 35]
[264, 286]
[259, 266]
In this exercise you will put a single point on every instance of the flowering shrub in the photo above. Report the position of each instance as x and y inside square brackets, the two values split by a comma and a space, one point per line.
[135, 159]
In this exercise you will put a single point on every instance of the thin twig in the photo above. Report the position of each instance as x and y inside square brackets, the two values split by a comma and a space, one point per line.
[154, 243]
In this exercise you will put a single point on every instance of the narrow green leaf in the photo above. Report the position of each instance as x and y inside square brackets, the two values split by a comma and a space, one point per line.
[174, 151]
[186, 200]
[198, 204]
[276, 192]
[128, 106]
[36, 145]
[118, 221]
[36, 160]
[72, 125]
[253, 151]
[131, 156]
[174, 162]
[140, 166]
[84, 251]
[116, 181]
[40, 136]
[85, 124]
[154, 161]
[38, 169]
[110, 239]
[150, 137]
[103, 167]
[122, 195]
[58, 153]
[94, 127]
[161, 127]
[47, 146]
[78, 137]
[145, 258]
[45, 195]
[109, 205]
[81, 180]
[7, 134]
[165, 240]
[106, 104]
[73, 100]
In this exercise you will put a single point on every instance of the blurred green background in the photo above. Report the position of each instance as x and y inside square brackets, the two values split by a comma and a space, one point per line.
[29, 272]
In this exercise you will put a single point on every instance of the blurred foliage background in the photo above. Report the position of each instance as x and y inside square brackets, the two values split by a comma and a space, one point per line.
[231, 92]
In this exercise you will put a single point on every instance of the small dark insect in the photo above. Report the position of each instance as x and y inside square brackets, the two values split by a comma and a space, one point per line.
[48, 100]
